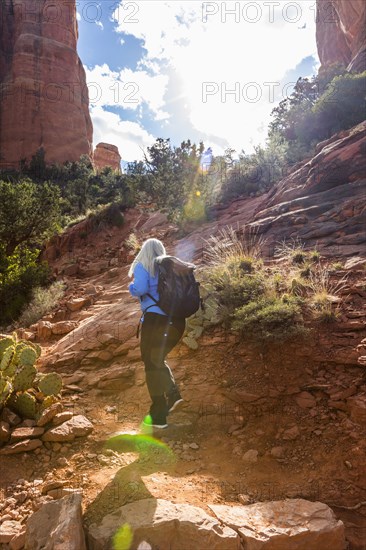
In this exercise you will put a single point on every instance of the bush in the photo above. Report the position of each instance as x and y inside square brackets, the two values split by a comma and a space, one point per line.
[342, 105]
[29, 213]
[19, 274]
[234, 287]
[43, 301]
[269, 319]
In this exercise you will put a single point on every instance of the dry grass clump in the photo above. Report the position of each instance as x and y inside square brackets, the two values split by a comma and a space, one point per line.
[43, 301]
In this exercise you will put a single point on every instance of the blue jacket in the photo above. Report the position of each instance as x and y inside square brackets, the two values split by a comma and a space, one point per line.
[144, 283]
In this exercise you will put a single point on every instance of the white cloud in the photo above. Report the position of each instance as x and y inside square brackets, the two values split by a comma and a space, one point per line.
[204, 43]
[130, 138]
[100, 25]
[127, 89]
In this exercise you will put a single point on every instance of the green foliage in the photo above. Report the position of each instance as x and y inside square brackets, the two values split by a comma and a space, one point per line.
[234, 286]
[255, 300]
[172, 178]
[50, 384]
[343, 105]
[255, 173]
[318, 108]
[22, 387]
[20, 272]
[268, 319]
[80, 187]
[29, 213]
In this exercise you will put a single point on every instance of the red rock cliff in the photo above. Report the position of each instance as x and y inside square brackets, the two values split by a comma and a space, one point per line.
[341, 33]
[44, 98]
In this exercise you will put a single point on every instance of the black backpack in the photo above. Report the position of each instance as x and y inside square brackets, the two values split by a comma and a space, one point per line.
[178, 289]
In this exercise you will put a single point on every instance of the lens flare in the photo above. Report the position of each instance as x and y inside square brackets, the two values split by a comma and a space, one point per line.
[122, 540]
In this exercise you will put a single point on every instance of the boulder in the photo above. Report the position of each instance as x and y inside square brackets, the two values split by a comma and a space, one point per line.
[48, 414]
[44, 330]
[116, 377]
[21, 447]
[162, 524]
[9, 529]
[26, 433]
[57, 525]
[293, 524]
[357, 408]
[18, 541]
[75, 304]
[77, 426]
[63, 327]
[62, 417]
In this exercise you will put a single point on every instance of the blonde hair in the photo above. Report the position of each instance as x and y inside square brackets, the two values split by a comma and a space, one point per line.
[150, 250]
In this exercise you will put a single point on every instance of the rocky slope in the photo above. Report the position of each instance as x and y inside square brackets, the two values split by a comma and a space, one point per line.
[43, 86]
[341, 33]
[288, 421]
[106, 155]
[321, 202]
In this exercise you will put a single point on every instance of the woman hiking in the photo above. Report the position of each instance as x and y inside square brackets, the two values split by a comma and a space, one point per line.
[159, 334]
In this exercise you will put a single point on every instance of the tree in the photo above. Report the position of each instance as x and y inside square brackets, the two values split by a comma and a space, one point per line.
[29, 213]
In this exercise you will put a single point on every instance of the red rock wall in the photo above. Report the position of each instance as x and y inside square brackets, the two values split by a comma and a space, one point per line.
[341, 33]
[44, 98]
[106, 155]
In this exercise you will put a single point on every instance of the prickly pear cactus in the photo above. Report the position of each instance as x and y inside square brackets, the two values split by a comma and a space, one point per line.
[23, 378]
[26, 405]
[50, 384]
[4, 344]
[27, 356]
[22, 387]
[36, 348]
[5, 390]
[7, 358]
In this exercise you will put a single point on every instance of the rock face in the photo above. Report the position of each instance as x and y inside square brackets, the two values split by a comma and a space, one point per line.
[57, 525]
[341, 33]
[322, 202]
[106, 155]
[44, 97]
[162, 524]
[293, 524]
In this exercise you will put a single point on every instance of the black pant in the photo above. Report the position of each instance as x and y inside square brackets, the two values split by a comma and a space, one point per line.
[159, 335]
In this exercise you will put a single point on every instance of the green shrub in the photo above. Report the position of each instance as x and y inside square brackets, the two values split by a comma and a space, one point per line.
[114, 216]
[269, 319]
[19, 274]
[326, 315]
[342, 105]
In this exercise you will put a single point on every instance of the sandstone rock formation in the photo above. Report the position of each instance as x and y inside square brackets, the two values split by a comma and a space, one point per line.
[322, 203]
[164, 525]
[341, 33]
[295, 524]
[57, 525]
[106, 155]
[44, 97]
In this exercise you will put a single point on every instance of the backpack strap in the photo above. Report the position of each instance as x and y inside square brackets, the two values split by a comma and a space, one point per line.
[153, 299]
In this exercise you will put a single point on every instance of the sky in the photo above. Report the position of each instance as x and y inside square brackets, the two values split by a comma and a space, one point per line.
[204, 71]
